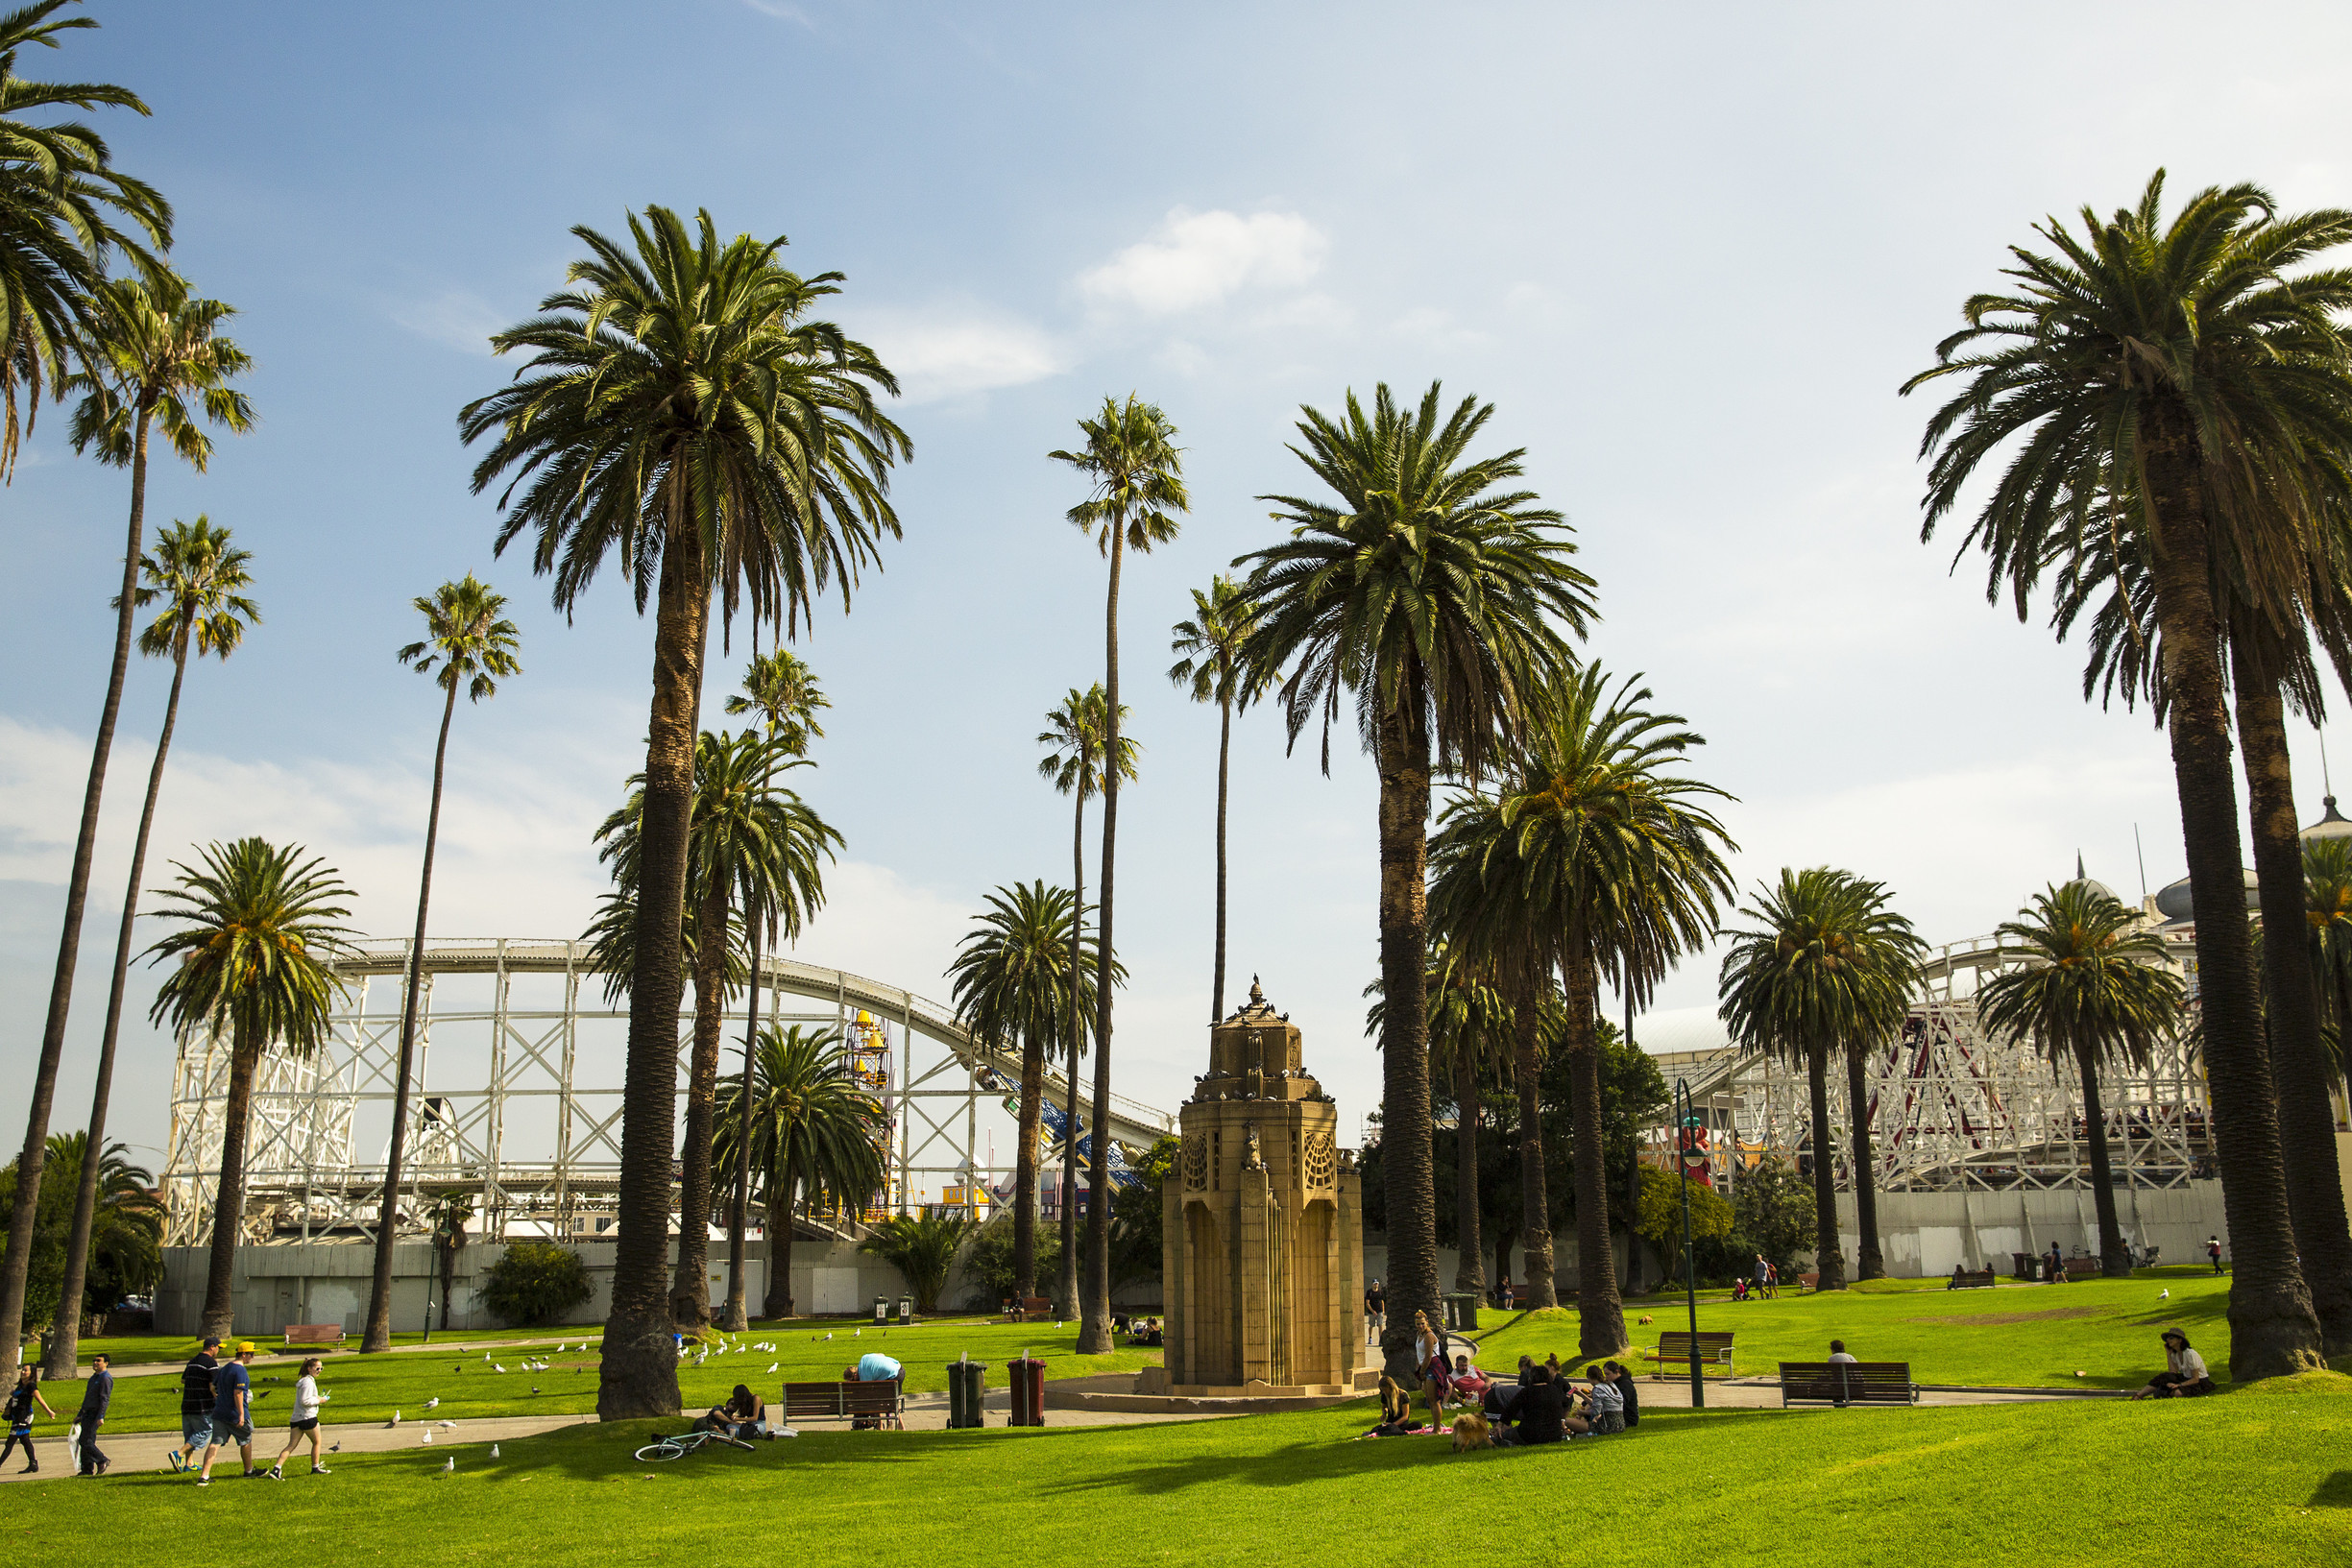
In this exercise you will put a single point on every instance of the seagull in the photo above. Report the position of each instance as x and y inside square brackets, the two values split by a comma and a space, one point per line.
[396, 1419]
[428, 1434]
[485, 1355]
[771, 1366]
[433, 1403]
[534, 1387]
[496, 1367]
[2164, 1294]
[449, 1425]
[448, 1466]
[494, 1451]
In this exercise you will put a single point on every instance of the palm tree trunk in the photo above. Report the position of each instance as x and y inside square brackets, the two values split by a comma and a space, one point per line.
[737, 1318]
[2114, 1257]
[1224, 758]
[1470, 1265]
[1828, 1263]
[690, 1286]
[1870, 1263]
[2273, 1329]
[1405, 1157]
[65, 1336]
[376, 1335]
[1065, 1276]
[1535, 1196]
[779, 1219]
[1600, 1313]
[1025, 1163]
[2298, 1052]
[639, 1375]
[228, 1201]
[16, 1266]
[1094, 1326]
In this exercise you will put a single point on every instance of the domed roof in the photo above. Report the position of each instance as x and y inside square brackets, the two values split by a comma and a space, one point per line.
[2332, 824]
[2101, 889]
[2173, 903]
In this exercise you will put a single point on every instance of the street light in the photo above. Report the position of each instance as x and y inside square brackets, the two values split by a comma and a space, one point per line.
[1686, 1125]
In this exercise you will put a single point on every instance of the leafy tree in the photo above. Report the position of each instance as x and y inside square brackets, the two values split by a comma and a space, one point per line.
[2090, 990]
[468, 643]
[201, 579]
[124, 1255]
[816, 1137]
[992, 1265]
[1442, 604]
[1659, 1215]
[1134, 472]
[1138, 1230]
[681, 413]
[536, 1282]
[1077, 739]
[153, 355]
[1212, 666]
[259, 928]
[1011, 974]
[2186, 367]
[922, 1248]
[1773, 1213]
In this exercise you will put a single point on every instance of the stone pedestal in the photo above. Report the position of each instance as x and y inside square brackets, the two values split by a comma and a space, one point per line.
[1263, 1218]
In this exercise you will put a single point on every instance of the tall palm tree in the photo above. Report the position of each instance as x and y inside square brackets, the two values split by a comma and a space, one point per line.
[468, 643]
[1889, 951]
[1210, 666]
[783, 692]
[1441, 605]
[1610, 865]
[922, 1248]
[1796, 986]
[2182, 365]
[258, 931]
[1011, 975]
[1076, 737]
[680, 412]
[2090, 990]
[201, 579]
[816, 1138]
[156, 358]
[1135, 474]
[64, 210]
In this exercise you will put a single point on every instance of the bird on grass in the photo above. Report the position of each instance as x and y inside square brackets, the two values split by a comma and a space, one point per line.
[2164, 1294]
[494, 1451]
[448, 1466]
[497, 1368]
[772, 1366]
[534, 1387]
[396, 1419]
[433, 1403]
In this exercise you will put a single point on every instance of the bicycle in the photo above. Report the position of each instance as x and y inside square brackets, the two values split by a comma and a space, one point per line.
[685, 1442]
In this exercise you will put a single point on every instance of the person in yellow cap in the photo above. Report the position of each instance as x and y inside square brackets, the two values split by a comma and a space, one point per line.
[232, 1412]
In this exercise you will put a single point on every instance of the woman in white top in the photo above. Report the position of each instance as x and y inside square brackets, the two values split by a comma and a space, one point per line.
[1604, 1408]
[305, 1421]
[2184, 1375]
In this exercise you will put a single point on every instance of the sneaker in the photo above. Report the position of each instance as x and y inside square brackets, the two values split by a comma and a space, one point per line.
[321, 1470]
[203, 1481]
[274, 1472]
[104, 1465]
[177, 1464]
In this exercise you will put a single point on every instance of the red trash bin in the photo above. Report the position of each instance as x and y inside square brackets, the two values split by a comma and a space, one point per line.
[1028, 1375]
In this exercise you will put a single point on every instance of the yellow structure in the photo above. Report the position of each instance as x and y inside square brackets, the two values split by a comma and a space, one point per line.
[1263, 1256]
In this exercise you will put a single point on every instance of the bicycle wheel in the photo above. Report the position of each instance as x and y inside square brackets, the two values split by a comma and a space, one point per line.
[667, 1448]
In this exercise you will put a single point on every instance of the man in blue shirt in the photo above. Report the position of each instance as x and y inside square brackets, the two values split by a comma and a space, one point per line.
[232, 1412]
[97, 1393]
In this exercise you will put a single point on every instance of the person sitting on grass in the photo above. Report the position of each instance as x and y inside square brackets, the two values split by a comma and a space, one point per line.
[744, 1415]
[1467, 1381]
[1604, 1408]
[1624, 1381]
[1535, 1414]
[2184, 1375]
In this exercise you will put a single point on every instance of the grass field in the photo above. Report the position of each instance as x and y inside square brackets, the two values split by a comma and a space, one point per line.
[2035, 1336]
[371, 1387]
[2258, 1476]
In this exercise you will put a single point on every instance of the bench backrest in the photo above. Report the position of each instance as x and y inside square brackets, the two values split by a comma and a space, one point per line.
[1983, 1276]
[806, 1399]
[1679, 1344]
[2076, 1268]
[314, 1333]
[1846, 1380]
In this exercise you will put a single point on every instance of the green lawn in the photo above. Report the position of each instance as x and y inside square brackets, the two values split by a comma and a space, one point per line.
[2041, 1335]
[179, 1347]
[2257, 1476]
[371, 1387]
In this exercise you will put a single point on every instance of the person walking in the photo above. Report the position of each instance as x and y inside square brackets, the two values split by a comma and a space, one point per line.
[1763, 1273]
[97, 1393]
[2213, 1251]
[196, 1404]
[305, 1422]
[233, 1413]
[18, 1413]
[1375, 1312]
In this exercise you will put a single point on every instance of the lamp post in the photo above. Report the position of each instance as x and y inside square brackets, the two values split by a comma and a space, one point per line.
[1686, 1125]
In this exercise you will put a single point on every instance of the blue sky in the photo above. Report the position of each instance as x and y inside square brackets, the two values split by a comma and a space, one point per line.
[1689, 252]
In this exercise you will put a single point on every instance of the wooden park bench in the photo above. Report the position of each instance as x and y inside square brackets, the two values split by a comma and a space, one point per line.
[1847, 1382]
[2082, 1268]
[1673, 1352]
[1021, 1308]
[871, 1404]
[1981, 1280]
[314, 1333]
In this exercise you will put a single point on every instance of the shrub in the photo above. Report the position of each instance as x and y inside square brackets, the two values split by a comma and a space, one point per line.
[987, 1262]
[922, 1250]
[536, 1282]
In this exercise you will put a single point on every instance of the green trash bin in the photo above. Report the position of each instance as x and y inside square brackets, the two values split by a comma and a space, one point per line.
[967, 1382]
[1460, 1312]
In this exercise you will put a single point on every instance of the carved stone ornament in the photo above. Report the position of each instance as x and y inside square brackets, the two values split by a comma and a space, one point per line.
[1195, 1164]
[1253, 1158]
[1322, 1163]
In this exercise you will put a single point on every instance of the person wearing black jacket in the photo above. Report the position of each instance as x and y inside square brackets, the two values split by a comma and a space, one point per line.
[97, 1394]
[196, 1403]
[19, 1415]
[1535, 1411]
[1624, 1381]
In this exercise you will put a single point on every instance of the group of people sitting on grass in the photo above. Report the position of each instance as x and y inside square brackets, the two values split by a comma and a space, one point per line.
[1545, 1406]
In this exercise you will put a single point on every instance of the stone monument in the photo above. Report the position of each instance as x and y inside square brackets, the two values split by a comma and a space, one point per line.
[1263, 1218]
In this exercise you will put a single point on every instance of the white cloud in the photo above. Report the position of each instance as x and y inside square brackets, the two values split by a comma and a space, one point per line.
[454, 318]
[951, 353]
[1199, 258]
[782, 11]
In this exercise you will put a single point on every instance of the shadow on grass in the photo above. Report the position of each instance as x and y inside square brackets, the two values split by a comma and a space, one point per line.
[2334, 1492]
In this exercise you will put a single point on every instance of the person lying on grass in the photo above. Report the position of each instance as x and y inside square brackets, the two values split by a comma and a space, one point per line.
[2184, 1375]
